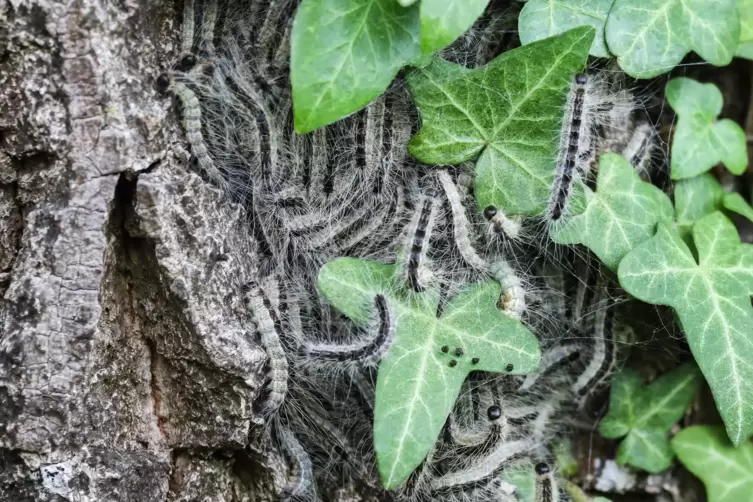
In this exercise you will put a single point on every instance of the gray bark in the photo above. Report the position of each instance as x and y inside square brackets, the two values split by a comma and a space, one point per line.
[126, 370]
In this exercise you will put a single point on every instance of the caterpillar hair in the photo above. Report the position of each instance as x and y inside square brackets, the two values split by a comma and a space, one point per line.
[369, 351]
[546, 485]
[268, 326]
[209, 20]
[301, 483]
[419, 234]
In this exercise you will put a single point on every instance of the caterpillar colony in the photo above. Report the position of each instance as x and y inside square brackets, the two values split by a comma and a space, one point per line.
[350, 189]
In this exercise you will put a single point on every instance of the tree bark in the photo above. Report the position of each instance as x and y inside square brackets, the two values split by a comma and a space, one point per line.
[126, 369]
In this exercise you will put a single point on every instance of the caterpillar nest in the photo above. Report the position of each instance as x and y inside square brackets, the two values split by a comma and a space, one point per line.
[350, 189]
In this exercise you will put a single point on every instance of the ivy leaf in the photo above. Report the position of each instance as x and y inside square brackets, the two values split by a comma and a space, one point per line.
[344, 53]
[418, 382]
[734, 202]
[700, 141]
[745, 50]
[665, 209]
[620, 214]
[442, 21]
[650, 37]
[726, 471]
[540, 19]
[507, 113]
[745, 12]
[644, 415]
[712, 300]
[695, 198]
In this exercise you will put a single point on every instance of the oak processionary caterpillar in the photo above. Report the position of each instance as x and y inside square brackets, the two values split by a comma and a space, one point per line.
[191, 109]
[300, 483]
[575, 145]
[369, 351]
[419, 233]
[268, 326]
[546, 486]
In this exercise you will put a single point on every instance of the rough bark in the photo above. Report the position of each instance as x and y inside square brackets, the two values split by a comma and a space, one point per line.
[126, 369]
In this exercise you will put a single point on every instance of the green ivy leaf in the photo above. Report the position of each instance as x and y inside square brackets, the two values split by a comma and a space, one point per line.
[666, 211]
[745, 12]
[417, 384]
[712, 300]
[702, 195]
[344, 53]
[508, 112]
[620, 214]
[541, 19]
[442, 21]
[726, 471]
[700, 141]
[734, 202]
[650, 37]
[745, 50]
[695, 198]
[646, 414]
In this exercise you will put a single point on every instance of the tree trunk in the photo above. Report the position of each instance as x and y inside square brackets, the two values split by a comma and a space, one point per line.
[126, 373]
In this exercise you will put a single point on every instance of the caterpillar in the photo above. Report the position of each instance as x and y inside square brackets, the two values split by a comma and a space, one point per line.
[302, 480]
[460, 223]
[268, 325]
[369, 351]
[546, 486]
[419, 234]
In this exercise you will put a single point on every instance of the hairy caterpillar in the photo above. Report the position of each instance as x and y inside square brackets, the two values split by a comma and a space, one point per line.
[371, 350]
[191, 123]
[484, 466]
[268, 325]
[603, 357]
[301, 482]
[546, 486]
[639, 149]
[460, 223]
[575, 143]
[419, 234]
[501, 224]
[512, 301]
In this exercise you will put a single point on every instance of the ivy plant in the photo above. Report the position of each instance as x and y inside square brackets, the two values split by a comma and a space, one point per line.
[344, 53]
[711, 296]
[745, 46]
[541, 19]
[650, 37]
[621, 213]
[420, 378]
[700, 140]
[505, 115]
[726, 471]
[442, 21]
[643, 415]
[702, 195]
